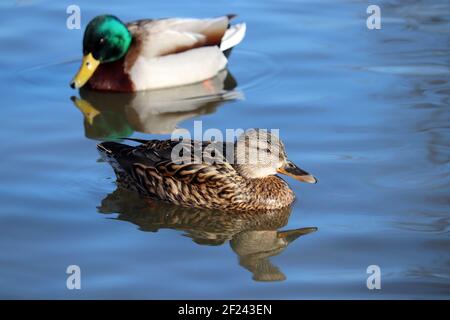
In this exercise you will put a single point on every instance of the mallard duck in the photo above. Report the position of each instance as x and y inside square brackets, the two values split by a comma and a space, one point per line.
[154, 54]
[213, 175]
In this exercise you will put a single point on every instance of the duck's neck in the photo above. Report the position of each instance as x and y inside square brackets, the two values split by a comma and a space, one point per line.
[267, 193]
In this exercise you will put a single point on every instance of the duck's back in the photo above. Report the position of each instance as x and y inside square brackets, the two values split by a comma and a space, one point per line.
[154, 170]
[174, 35]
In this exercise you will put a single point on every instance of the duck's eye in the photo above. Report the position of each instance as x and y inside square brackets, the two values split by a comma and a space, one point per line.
[268, 151]
[101, 41]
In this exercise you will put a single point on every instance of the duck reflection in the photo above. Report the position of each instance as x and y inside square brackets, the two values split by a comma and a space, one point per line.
[118, 115]
[254, 237]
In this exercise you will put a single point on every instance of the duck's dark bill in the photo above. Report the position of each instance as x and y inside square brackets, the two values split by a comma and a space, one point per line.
[290, 169]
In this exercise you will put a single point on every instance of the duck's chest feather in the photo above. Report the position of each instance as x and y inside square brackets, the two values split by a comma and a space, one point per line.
[112, 77]
[270, 192]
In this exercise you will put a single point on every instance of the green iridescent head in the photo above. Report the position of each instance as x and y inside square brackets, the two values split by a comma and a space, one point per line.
[106, 38]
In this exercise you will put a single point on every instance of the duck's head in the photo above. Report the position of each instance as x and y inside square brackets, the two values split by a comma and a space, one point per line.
[260, 154]
[106, 39]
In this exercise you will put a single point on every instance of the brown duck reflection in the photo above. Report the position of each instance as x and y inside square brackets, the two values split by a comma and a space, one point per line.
[118, 115]
[254, 237]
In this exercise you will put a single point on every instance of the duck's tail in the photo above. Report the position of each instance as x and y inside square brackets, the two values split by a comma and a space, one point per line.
[116, 155]
[111, 148]
[233, 36]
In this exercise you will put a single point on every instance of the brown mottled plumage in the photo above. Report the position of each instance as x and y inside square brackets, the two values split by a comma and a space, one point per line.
[209, 179]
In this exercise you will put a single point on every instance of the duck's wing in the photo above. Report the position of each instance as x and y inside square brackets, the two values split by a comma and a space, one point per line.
[186, 161]
[174, 35]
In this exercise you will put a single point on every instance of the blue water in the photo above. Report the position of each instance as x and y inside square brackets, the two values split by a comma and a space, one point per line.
[365, 111]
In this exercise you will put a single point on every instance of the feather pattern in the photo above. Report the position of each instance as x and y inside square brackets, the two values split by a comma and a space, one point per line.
[175, 35]
[149, 169]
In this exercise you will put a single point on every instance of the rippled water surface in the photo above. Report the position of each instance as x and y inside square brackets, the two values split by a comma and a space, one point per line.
[367, 112]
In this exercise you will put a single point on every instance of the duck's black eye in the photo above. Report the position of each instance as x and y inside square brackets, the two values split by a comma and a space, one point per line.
[268, 151]
[98, 46]
[100, 43]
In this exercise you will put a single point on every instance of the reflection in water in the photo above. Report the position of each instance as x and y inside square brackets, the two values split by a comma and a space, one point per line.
[118, 115]
[253, 237]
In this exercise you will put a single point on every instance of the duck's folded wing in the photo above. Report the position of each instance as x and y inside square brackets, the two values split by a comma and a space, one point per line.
[168, 36]
[187, 161]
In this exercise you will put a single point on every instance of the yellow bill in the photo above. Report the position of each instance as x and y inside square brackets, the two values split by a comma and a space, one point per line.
[87, 69]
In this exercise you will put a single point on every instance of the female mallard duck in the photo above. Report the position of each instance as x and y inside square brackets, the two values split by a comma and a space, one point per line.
[154, 54]
[197, 174]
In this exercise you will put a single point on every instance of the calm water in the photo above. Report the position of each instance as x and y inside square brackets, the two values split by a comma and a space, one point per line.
[367, 112]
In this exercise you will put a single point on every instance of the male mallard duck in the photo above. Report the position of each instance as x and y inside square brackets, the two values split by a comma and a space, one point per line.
[197, 174]
[154, 54]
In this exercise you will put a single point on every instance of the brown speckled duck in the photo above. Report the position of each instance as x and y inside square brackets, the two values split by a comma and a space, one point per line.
[174, 171]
